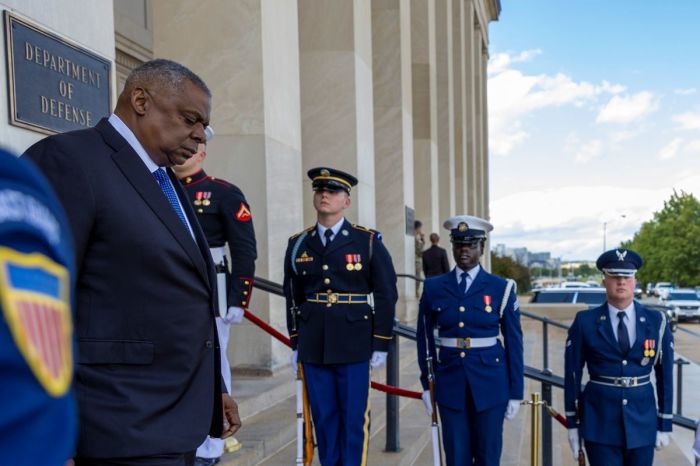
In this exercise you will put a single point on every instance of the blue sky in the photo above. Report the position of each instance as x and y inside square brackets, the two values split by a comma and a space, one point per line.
[594, 118]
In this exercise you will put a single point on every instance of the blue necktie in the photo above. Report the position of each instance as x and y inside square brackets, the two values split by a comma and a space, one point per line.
[169, 192]
[463, 282]
[623, 338]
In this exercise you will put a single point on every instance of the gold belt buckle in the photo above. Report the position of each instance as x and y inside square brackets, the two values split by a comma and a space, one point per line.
[465, 343]
[332, 298]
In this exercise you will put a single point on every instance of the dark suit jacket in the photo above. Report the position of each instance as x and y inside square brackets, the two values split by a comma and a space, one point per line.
[435, 261]
[147, 379]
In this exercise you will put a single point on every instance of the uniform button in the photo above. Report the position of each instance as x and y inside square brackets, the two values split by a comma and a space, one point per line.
[208, 344]
[328, 304]
[366, 317]
[462, 354]
[624, 402]
[199, 211]
[243, 303]
[439, 309]
[498, 359]
[624, 362]
[327, 281]
[246, 282]
[461, 324]
[245, 293]
[325, 267]
[303, 272]
[329, 291]
[461, 309]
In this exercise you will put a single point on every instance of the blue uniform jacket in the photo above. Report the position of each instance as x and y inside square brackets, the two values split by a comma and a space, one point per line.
[340, 333]
[38, 421]
[495, 374]
[616, 415]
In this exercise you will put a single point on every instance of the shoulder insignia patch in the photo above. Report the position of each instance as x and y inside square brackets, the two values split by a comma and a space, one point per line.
[243, 214]
[35, 297]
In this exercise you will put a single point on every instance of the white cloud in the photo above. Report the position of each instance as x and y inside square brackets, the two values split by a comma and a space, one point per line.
[688, 91]
[688, 120]
[671, 149]
[568, 221]
[629, 108]
[514, 95]
[501, 61]
[589, 151]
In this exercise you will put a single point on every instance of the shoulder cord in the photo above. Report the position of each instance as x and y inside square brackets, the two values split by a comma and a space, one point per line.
[295, 250]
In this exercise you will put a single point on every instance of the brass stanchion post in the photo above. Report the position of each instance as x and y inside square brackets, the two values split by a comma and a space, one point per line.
[536, 422]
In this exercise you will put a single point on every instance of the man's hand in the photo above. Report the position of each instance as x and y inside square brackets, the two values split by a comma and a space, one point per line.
[234, 315]
[293, 362]
[512, 409]
[232, 421]
[662, 440]
[427, 403]
[574, 443]
[378, 359]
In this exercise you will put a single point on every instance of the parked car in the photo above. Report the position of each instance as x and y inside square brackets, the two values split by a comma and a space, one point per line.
[590, 296]
[650, 289]
[684, 302]
[662, 288]
[638, 291]
[671, 314]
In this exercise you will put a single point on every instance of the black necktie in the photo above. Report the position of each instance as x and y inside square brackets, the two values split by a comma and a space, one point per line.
[463, 282]
[622, 337]
[327, 234]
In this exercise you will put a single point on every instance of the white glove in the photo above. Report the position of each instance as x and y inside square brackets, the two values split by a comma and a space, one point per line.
[427, 402]
[234, 315]
[293, 362]
[378, 359]
[662, 440]
[512, 409]
[574, 443]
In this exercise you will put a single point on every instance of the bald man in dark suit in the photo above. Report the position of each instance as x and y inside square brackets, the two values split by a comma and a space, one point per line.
[148, 382]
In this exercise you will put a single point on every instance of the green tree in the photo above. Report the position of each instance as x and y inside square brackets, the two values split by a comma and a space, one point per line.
[508, 268]
[670, 243]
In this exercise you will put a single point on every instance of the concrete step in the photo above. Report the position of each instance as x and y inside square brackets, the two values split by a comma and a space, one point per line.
[269, 416]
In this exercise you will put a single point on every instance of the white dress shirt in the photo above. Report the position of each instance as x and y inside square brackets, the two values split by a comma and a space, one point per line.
[629, 321]
[471, 275]
[335, 229]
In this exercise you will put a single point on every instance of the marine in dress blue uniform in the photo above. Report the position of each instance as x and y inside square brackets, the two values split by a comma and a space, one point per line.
[478, 377]
[226, 220]
[340, 286]
[36, 343]
[621, 343]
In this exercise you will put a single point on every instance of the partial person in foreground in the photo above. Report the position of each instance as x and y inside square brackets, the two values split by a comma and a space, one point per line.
[148, 380]
[227, 222]
[479, 378]
[616, 418]
[36, 291]
[340, 286]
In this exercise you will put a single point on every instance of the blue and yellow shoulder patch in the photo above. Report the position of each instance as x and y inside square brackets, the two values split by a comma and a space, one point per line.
[35, 300]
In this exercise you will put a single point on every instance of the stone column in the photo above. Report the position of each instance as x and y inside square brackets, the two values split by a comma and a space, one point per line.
[445, 110]
[252, 69]
[458, 105]
[478, 121]
[393, 136]
[470, 96]
[337, 122]
[425, 150]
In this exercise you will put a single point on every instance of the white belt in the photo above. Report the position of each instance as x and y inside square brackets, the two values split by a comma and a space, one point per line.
[218, 254]
[467, 343]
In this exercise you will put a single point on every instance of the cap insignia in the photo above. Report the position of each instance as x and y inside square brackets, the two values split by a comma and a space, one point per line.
[325, 172]
[621, 255]
[462, 226]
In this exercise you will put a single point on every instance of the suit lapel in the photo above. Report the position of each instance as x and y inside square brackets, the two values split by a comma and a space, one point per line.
[313, 242]
[143, 182]
[449, 284]
[605, 326]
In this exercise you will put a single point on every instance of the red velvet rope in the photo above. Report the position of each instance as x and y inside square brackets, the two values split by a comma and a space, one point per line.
[284, 339]
[556, 415]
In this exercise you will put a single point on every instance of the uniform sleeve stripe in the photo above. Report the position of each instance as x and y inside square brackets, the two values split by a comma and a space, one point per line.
[383, 337]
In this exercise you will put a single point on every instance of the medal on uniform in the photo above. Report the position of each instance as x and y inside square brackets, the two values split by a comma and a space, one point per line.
[652, 348]
[487, 302]
[198, 198]
[207, 196]
[646, 349]
[358, 262]
[349, 262]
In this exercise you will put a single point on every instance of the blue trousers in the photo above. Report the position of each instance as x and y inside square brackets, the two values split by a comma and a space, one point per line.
[339, 399]
[611, 455]
[472, 437]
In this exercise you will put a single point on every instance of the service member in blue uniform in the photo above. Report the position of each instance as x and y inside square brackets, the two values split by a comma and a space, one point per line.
[340, 286]
[478, 377]
[621, 342]
[226, 219]
[38, 422]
